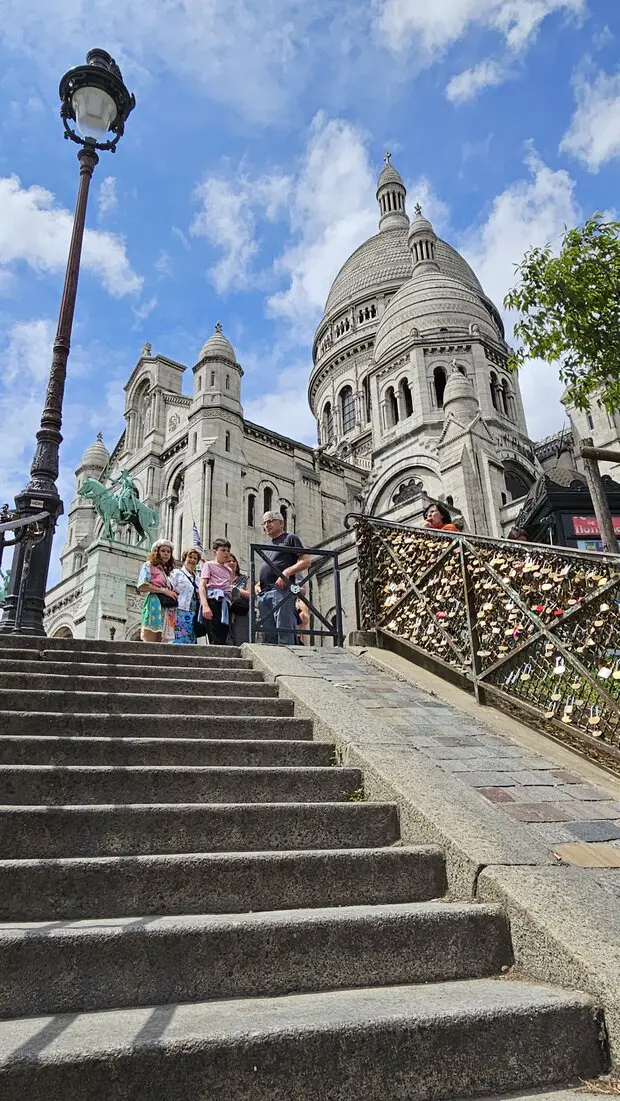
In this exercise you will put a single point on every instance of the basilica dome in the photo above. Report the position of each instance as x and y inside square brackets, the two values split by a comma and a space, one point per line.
[385, 259]
[431, 302]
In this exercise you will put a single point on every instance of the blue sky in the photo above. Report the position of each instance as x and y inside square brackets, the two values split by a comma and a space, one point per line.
[247, 174]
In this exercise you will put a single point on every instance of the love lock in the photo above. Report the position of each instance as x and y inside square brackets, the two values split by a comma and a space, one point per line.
[295, 589]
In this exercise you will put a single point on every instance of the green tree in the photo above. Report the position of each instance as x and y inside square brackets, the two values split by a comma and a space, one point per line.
[570, 311]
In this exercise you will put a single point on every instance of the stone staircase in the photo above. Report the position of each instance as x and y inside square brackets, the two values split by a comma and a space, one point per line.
[195, 904]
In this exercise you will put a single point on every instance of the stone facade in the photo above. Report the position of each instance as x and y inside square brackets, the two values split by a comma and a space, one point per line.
[413, 400]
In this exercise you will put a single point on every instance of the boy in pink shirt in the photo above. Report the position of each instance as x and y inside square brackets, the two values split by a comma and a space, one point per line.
[215, 593]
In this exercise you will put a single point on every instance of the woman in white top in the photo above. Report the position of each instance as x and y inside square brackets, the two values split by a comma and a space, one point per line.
[184, 581]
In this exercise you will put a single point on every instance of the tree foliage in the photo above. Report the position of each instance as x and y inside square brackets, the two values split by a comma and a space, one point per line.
[570, 311]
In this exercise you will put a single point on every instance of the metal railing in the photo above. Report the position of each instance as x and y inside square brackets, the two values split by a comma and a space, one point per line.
[261, 624]
[524, 622]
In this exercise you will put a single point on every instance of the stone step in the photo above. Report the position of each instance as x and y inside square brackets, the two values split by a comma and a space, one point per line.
[143, 703]
[24, 750]
[217, 883]
[40, 832]
[173, 686]
[197, 657]
[118, 671]
[224, 726]
[71, 645]
[111, 964]
[405, 1043]
[51, 785]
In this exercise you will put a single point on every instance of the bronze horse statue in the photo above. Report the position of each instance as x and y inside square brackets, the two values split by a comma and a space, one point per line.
[124, 508]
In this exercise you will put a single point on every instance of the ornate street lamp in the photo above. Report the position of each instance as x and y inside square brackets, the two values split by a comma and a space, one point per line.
[94, 97]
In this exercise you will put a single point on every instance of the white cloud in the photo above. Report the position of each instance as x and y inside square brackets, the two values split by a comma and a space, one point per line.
[431, 28]
[227, 222]
[531, 211]
[594, 133]
[144, 310]
[285, 408]
[107, 199]
[255, 55]
[228, 219]
[466, 85]
[33, 230]
[332, 211]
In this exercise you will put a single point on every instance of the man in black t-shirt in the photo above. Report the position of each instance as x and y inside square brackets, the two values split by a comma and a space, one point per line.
[278, 613]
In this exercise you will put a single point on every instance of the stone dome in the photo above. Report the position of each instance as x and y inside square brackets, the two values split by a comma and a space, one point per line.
[389, 175]
[218, 346]
[431, 302]
[384, 260]
[96, 456]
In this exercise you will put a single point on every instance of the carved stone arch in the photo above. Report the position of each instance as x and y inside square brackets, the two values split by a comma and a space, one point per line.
[419, 467]
[61, 630]
[133, 632]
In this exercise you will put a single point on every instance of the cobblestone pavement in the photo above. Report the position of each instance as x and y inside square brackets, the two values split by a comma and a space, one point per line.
[558, 805]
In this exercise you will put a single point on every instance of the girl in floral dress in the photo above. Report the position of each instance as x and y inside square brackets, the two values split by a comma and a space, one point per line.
[184, 581]
[157, 620]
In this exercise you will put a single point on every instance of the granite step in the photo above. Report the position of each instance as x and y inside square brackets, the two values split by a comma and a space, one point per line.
[200, 657]
[120, 671]
[224, 726]
[68, 645]
[144, 703]
[90, 888]
[175, 686]
[52, 785]
[73, 967]
[405, 1043]
[28, 832]
[128, 752]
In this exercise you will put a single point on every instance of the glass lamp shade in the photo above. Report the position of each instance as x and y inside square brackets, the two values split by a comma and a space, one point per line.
[95, 112]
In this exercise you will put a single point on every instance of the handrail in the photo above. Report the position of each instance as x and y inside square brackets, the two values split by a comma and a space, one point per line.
[24, 521]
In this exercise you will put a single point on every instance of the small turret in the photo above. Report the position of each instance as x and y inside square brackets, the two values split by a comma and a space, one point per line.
[422, 242]
[391, 195]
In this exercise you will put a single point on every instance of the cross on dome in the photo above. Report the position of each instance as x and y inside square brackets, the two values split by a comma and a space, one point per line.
[387, 158]
[218, 326]
[418, 210]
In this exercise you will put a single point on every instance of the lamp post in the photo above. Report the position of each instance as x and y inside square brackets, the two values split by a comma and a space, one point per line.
[95, 98]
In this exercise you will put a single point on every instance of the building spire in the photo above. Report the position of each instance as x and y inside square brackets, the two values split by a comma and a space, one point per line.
[391, 194]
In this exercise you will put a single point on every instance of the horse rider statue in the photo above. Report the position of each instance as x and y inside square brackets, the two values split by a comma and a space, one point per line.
[122, 507]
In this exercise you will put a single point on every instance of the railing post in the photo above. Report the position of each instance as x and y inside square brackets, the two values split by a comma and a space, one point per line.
[339, 641]
[472, 627]
[252, 594]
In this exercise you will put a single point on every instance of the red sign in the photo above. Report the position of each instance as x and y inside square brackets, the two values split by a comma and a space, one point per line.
[588, 525]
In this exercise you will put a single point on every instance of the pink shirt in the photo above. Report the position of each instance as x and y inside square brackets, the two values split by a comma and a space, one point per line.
[216, 576]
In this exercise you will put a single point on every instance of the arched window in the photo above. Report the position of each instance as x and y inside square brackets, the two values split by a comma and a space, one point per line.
[328, 423]
[251, 509]
[494, 390]
[267, 499]
[406, 398]
[503, 397]
[284, 511]
[143, 408]
[518, 481]
[347, 408]
[439, 380]
[391, 407]
[228, 382]
[366, 399]
[213, 378]
[227, 442]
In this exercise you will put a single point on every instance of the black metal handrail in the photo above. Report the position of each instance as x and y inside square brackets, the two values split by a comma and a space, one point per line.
[529, 622]
[331, 630]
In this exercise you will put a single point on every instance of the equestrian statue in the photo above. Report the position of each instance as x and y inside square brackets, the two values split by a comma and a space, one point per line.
[121, 507]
